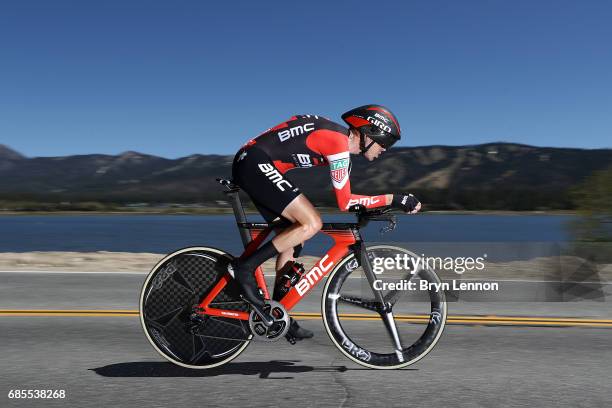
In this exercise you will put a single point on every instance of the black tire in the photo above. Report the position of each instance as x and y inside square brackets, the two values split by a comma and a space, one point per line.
[363, 337]
[173, 287]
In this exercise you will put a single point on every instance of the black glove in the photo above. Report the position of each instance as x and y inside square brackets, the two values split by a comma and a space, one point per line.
[405, 202]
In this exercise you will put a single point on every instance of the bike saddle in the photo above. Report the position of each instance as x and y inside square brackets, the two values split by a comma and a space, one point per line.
[228, 183]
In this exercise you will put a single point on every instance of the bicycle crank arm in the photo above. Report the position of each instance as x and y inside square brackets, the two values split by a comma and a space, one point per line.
[266, 319]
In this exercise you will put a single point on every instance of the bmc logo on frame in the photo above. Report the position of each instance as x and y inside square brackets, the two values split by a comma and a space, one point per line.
[274, 175]
[313, 276]
[295, 131]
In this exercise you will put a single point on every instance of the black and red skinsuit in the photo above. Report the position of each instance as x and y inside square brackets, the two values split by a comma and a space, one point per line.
[303, 141]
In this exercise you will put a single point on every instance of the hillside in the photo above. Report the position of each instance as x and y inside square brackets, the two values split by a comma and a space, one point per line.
[488, 176]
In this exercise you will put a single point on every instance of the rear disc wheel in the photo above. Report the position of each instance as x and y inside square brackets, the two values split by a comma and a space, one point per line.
[168, 309]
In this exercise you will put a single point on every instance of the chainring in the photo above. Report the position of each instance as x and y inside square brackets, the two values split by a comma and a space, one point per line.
[277, 330]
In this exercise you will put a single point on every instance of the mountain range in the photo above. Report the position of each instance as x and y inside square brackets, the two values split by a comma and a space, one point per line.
[487, 176]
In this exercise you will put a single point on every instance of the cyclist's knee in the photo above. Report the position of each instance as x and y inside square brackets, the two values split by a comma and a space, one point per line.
[318, 224]
[311, 227]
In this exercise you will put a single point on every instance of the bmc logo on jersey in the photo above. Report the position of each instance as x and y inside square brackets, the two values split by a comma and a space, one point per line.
[274, 176]
[295, 131]
[380, 124]
[366, 201]
[313, 276]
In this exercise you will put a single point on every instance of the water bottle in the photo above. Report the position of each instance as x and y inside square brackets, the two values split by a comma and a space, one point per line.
[291, 274]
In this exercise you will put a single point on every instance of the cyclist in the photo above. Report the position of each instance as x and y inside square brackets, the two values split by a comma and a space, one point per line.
[304, 141]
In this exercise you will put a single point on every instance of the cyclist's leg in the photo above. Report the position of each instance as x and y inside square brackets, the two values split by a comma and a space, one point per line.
[253, 170]
[274, 194]
[303, 222]
[296, 332]
[306, 223]
[287, 256]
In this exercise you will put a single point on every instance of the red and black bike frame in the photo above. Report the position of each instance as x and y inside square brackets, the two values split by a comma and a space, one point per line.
[346, 238]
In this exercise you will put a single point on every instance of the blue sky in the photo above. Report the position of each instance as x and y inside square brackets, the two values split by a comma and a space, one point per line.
[183, 77]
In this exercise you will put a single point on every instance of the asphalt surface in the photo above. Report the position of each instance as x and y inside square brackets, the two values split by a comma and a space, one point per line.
[121, 290]
[107, 360]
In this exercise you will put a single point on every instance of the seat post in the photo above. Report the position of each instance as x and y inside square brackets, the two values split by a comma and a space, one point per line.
[240, 215]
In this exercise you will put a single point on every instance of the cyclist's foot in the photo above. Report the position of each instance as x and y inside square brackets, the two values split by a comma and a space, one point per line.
[250, 291]
[297, 333]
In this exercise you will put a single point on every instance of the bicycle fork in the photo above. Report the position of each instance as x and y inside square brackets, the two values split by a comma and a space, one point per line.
[385, 310]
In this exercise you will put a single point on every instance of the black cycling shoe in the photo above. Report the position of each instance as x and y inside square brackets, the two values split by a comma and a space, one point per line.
[297, 333]
[250, 291]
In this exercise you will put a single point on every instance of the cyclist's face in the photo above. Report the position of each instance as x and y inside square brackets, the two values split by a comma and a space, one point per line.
[374, 151]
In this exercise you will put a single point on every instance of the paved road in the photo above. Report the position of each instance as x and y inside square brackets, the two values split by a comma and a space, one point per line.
[114, 290]
[107, 360]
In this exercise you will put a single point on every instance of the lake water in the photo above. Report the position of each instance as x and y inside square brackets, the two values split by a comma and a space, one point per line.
[165, 233]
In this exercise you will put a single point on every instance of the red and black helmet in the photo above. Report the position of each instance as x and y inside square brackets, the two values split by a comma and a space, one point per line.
[375, 122]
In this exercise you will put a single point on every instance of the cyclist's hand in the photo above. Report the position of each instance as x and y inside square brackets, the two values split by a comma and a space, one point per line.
[406, 202]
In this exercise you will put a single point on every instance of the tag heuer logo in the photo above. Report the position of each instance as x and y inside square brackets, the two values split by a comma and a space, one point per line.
[339, 164]
[339, 169]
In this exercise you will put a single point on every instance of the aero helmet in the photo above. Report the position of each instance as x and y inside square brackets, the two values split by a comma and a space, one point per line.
[375, 122]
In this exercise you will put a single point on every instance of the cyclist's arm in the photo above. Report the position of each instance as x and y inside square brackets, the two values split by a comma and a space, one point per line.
[334, 146]
[339, 164]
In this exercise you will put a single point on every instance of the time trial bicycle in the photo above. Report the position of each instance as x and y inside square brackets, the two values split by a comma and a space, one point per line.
[193, 314]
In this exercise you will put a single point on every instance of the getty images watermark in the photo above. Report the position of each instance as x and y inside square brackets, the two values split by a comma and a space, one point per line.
[458, 265]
